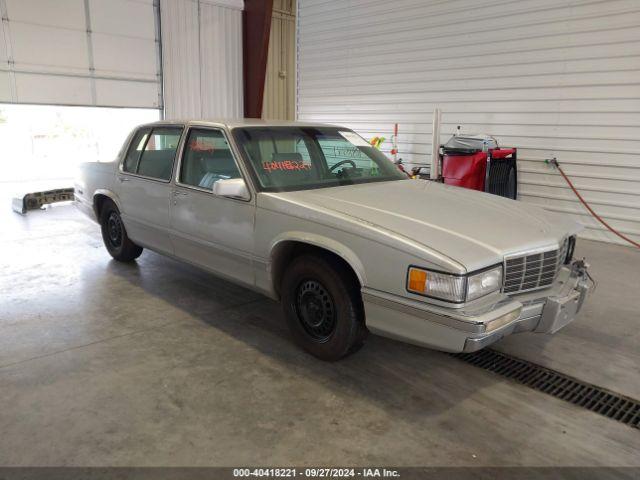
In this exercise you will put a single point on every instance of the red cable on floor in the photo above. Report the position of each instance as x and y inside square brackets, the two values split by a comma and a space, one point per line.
[554, 162]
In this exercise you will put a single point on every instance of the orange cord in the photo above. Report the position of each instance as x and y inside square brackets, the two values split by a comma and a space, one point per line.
[554, 162]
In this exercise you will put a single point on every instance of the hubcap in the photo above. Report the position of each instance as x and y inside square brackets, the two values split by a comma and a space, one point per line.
[316, 310]
[114, 229]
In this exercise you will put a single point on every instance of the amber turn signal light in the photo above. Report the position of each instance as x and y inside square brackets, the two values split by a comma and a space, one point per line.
[417, 280]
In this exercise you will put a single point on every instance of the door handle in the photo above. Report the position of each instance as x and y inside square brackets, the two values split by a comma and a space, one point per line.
[123, 179]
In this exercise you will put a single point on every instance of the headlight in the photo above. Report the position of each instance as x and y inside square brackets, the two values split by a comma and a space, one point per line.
[435, 284]
[454, 288]
[484, 283]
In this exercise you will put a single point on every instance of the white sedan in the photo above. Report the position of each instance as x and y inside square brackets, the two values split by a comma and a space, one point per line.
[313, 216]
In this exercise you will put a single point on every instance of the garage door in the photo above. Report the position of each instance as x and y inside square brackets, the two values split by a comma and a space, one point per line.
[557, 78]
[80, 52]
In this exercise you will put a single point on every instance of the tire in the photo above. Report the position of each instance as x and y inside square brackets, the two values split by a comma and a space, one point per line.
[323, 307]
[114, 235]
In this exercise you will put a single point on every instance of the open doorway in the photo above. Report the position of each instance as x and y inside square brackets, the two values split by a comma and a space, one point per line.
[42, 145]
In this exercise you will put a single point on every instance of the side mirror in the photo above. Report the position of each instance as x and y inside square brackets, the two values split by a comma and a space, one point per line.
[232, 188]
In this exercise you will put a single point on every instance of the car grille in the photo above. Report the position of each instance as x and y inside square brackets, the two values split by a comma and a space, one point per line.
[533, 271]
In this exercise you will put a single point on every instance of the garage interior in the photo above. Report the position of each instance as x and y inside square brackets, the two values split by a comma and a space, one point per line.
[158, 363]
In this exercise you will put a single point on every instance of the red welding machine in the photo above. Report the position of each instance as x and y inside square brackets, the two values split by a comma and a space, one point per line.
[476, 162]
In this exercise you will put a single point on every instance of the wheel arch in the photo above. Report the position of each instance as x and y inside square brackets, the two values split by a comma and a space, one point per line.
[99, 197]
[285, 248]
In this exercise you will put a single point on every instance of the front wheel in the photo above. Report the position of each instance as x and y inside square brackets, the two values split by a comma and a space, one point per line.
[115, 237]
[323, 308]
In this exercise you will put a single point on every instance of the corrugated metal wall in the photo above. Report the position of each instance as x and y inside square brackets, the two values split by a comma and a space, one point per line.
[556, 78]
[202, 58]
[280, 84]
[79, 52]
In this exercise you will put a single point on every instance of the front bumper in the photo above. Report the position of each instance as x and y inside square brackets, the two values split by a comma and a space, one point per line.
[475, 327]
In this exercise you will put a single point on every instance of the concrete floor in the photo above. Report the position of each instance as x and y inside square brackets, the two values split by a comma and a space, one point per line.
[158, 363]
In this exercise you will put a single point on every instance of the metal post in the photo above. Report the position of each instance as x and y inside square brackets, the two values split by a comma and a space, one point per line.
[160, 77]
[435, 146]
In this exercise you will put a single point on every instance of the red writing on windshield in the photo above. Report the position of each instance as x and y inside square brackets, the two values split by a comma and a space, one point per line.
[286, 165]
[200, 145]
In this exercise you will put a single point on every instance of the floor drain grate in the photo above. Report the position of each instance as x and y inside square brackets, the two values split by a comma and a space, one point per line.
[599, 400]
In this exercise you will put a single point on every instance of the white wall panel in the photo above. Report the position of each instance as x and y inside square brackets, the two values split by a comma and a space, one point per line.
[202, 58]
[56, 52]
[180, 58]
[556, 78]
[140, 61]
[53, 89]
[5, 87]
[123, 17]
[48, 49]
[221, 67]
[134, 94]
[60, 13]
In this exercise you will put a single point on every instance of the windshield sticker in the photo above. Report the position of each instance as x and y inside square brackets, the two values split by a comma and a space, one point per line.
[286, 166]
[354, 139]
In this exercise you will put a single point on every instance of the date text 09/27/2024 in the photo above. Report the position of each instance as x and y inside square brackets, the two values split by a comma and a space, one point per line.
[316, 472]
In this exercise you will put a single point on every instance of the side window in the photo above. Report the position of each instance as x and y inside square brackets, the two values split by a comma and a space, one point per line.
[207, 158]
[133, 155]
[157, 158]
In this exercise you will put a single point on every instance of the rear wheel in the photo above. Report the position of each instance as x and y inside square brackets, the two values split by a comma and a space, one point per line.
[114, 235]
[323, 307]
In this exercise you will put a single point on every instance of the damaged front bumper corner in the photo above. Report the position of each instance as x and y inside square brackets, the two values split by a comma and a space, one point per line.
[473, 328]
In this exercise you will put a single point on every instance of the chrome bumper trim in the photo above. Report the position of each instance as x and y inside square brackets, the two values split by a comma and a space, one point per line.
[521, 325]
[468, 321]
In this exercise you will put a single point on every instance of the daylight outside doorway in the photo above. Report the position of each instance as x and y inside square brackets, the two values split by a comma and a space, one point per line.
[44, 144]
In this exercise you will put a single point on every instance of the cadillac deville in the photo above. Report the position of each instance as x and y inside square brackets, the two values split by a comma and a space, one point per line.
[313, 216]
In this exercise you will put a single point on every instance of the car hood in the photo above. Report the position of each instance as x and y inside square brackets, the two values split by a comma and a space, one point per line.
[473, 228]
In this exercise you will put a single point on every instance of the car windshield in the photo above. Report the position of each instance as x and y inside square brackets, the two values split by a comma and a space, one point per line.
[300, 158]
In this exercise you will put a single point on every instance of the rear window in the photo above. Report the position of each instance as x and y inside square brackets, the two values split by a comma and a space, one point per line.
[137, 145]
[152, 152]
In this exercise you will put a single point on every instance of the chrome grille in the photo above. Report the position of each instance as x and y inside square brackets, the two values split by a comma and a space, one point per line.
[533, 271]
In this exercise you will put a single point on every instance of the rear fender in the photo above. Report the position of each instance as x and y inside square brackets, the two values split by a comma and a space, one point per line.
[107, 193]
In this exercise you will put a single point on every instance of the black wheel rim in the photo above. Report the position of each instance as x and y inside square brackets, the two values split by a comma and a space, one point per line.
[114, 229]
[316, 310]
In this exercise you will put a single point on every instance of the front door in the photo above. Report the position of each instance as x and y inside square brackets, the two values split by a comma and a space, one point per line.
[144, 189]
[210, 231]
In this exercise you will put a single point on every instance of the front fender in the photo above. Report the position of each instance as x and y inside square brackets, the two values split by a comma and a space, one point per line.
[321, 241]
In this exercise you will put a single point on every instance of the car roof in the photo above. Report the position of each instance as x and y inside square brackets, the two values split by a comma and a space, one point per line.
[242, 122]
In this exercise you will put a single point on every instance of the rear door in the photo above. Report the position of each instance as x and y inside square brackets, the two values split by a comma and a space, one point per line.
[144, 185]
[210, 231]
